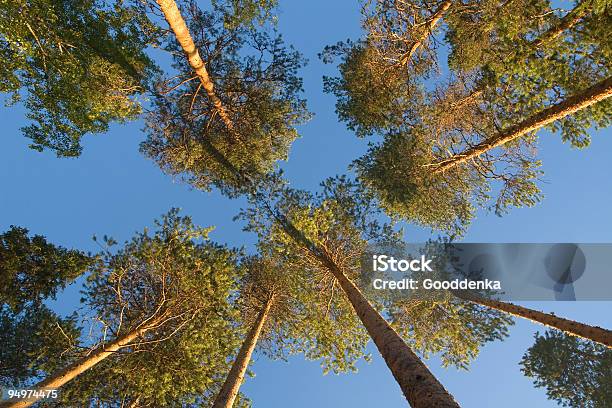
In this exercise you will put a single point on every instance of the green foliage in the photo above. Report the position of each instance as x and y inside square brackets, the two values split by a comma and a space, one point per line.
[372, 95]
[299, 322]
[321, 323]
[255, 77]
[35, 341]
[399, 169]
[575, 372]
[523, 77]
[32, 269]
[245, 12]
[451, 327]
[394, 171]
[498, 75]
[439, 322]
[79, 66]
[177, 275]
[343, 221]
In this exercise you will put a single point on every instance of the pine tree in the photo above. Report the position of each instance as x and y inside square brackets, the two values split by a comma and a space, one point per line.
[35, 342]
[258, 297]
[582, 100]
[34, 339]
[325, 236]
[286, 312]
[80, 66]
[34, 269]
[162, 301]
[453, 143]
[235, 100]
[575, 373]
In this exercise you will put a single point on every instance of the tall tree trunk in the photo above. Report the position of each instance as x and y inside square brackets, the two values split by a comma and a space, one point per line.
[231, 386]
[571, 327]
[69, 373]
[419, 385]
[181, 32]
[567, 22]
[428, 29]
[572, 104]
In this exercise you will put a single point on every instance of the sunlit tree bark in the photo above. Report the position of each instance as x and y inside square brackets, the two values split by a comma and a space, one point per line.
[571, 327]
[428, 29]
[419, 386]
[231, 386]
[69, 373]
[596, 93]
[568, 21]
[181, 31]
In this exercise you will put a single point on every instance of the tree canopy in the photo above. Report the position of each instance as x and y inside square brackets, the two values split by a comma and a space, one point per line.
[329, 329]
[35, 342]
[451, 96]
[246, 124]
[34, 339]
[34, 269]
[177, 279]
[506, 64]
[79, 66]
[574, 372]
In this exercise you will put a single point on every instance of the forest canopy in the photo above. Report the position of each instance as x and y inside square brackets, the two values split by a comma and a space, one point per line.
[448, 101]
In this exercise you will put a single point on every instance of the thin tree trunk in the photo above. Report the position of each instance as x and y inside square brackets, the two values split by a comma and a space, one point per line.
[231, 386]
[69, 373]
[571, 327]
[181, 32]
[572, 104]
[567, 22]
[427, 31]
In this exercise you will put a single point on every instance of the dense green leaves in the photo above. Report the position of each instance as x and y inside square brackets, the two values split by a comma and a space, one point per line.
[177, 278]
[35, 341]
[33, 269]
[342, 222]
[322, 324]
[525, 69]
[453, 328]
[300, 321]
[438, 321]
[245, 12]
[574, 372]
[255, 78]
[507, 61]
[371, 97]
[394, 172]
[79, 66]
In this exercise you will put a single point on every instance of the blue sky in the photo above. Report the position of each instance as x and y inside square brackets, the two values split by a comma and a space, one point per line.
[114, 190]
